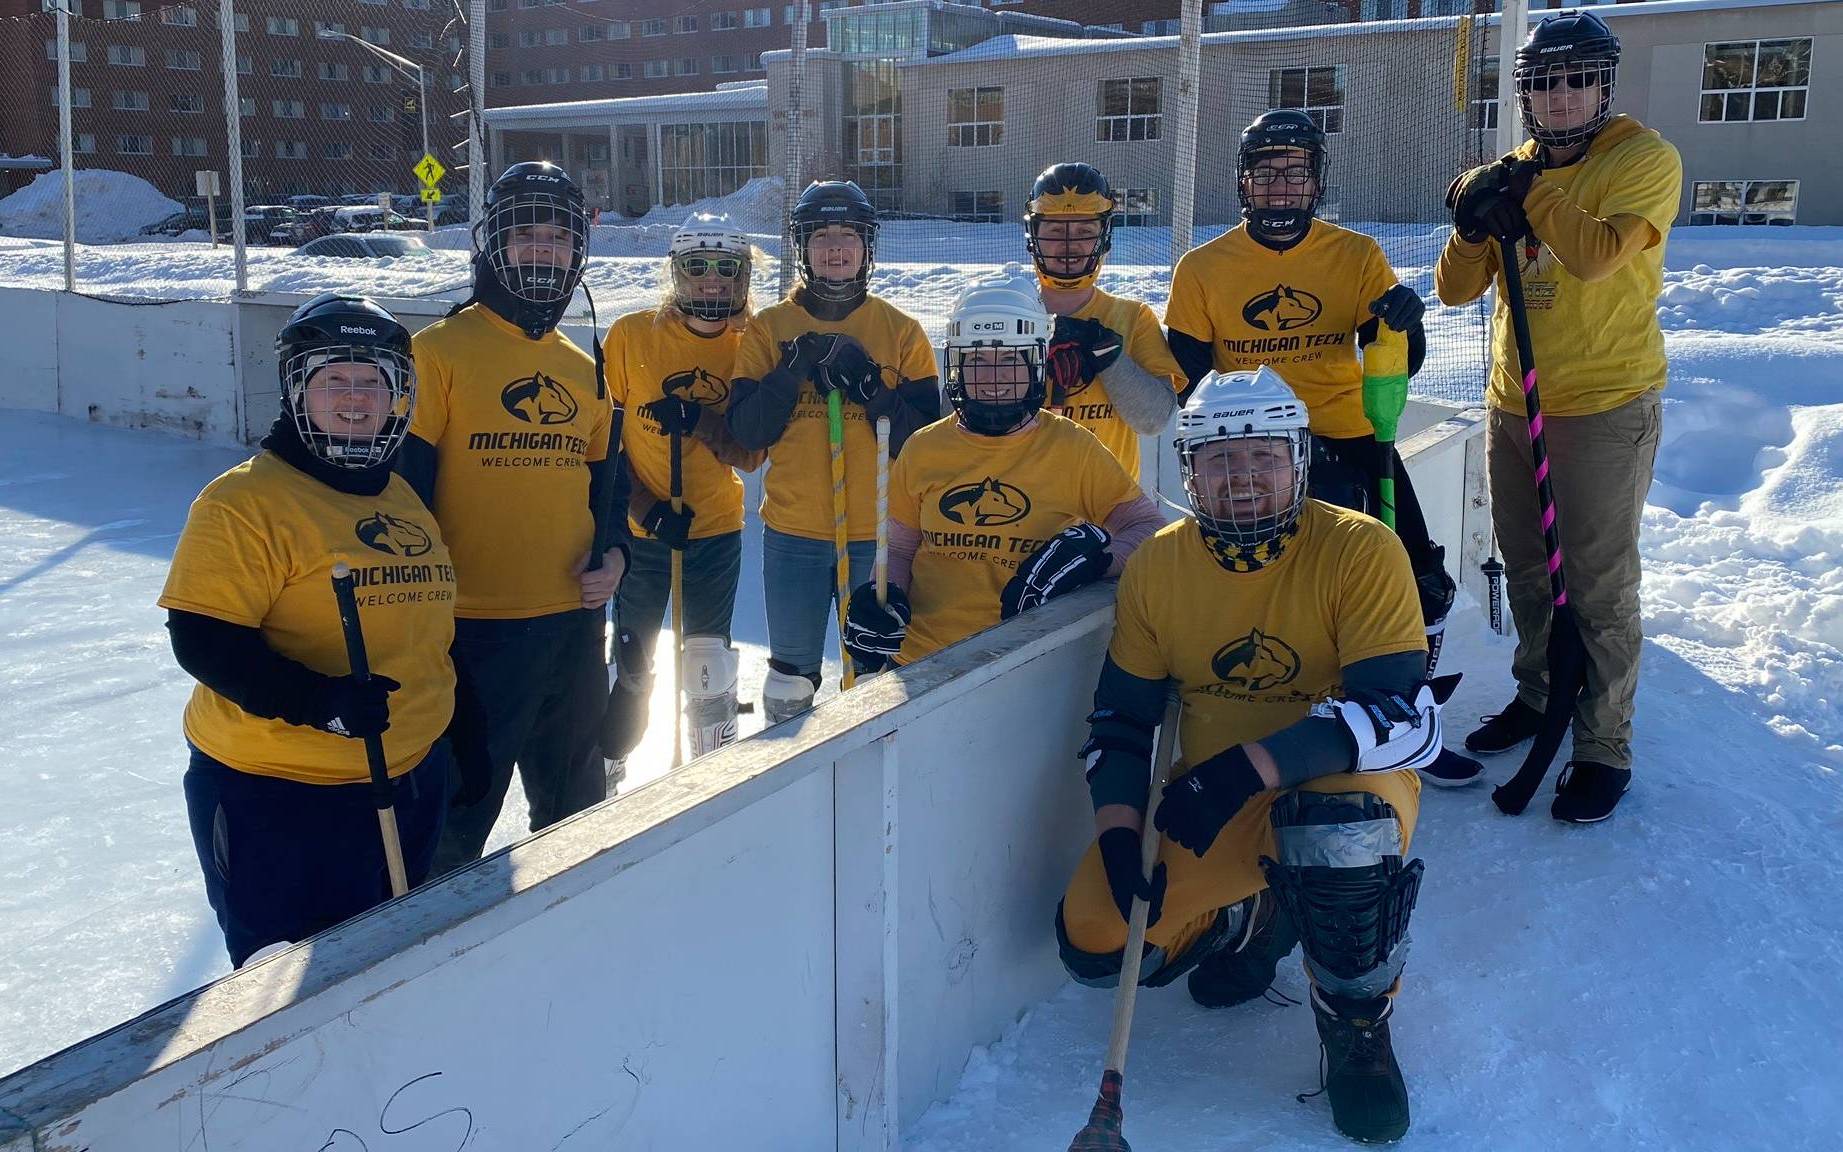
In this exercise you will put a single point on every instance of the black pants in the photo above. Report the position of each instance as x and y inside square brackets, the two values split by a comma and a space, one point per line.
[530, 693]
[1348, 472]
[284, 860]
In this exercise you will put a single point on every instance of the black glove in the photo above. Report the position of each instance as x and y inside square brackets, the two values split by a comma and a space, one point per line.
[873, 631]
[1066, 561]
[354, 708]
[799, 355]
[1193, 808]
[675, 415]
[1120, 857]
[1079, 351]
[1488, 201]
[1401, 308]
[844, 366]
[670, 528]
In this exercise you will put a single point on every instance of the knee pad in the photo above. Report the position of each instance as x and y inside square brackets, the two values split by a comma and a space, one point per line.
[1340, 876]
[710, 692]
[1102, 969]
[787, 692]
[1227, 932]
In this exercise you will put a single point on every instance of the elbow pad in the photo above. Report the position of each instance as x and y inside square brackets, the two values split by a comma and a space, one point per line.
[1389, 731]
[1116, 757]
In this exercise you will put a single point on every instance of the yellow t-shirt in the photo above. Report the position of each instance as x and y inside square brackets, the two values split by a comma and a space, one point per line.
[1597, 344]
[1297, 311]
[983, 504]
[797, 491]
[1089, 405]
[648, 353]
[1253, 651]
[513, 422]
[258, 550]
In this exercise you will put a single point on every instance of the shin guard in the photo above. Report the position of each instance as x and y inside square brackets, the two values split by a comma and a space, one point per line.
[710, 692]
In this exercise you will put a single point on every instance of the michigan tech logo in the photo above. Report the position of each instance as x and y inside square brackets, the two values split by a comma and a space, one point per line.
[538, 399]
[392, 536]
[1256, 662]
[1282, 309]
[697, 386]
[988, 504]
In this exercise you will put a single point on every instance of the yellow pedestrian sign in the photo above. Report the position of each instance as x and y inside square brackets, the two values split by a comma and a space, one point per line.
[429, 170]
[431, 195]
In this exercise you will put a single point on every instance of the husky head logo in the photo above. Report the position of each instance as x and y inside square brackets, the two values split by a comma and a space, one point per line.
[1256, 662]
[390, 535]
[698, 386]
[988, 504]
[1282, 309]
[537, 399]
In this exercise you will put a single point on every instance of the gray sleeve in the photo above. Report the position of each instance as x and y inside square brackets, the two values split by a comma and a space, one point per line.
[1316, 746]
[1143, 400]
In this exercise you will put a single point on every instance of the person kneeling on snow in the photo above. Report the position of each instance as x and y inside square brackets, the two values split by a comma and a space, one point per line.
[1291, 631]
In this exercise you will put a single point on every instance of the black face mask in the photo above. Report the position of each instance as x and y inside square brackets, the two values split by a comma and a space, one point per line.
[285, 441]
[534, 320]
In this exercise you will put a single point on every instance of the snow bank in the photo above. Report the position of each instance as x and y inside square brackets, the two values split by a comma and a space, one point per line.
[111, 207]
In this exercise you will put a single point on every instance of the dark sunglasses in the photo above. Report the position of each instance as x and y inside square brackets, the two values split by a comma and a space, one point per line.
[1577, 78]
[725, 266]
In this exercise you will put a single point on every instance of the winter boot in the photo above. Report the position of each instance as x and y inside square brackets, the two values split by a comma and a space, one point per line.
[1451, 770]
[1500, 733]
[1369, 1101]
[1244, 970]
[1587, 792]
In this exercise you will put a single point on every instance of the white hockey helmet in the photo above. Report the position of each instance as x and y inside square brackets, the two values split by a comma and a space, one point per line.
[997, 340]
[710, 268]
[1243, 450]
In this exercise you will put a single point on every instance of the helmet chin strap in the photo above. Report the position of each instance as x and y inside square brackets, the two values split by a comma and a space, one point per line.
[1268, 239]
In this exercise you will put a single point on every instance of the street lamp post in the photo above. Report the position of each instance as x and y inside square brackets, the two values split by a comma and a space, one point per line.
[408, 68]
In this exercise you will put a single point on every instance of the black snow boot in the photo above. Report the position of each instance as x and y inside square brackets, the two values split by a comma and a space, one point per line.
[1369, 1101]
[1587, 792]
[1239, 975]
[1506, 730]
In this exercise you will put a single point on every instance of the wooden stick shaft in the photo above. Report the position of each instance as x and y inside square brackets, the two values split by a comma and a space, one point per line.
[1149, 839]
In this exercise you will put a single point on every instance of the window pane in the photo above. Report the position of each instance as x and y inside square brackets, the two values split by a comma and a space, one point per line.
[1711, 106]
[1784, 63]
[1737, 106]
[1322, 87]
[1113, 98]
[1766, 105]
[1792, 105]
[1334, 121]
[1145, 96]
[991, 104]
[1727, 65]
[959, 105]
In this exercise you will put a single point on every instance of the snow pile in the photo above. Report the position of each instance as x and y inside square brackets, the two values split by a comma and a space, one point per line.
[111, 207]
[754, 208]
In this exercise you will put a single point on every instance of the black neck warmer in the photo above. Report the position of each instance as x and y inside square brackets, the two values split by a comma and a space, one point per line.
[285, 442]
[532, 319]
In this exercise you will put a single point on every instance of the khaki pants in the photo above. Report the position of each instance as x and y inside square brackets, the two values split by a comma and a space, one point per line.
[1600, 468]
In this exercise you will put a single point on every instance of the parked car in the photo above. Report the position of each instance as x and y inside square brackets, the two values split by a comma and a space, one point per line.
[192, 219]
[269, 224]
[306, 203]
[365, 245]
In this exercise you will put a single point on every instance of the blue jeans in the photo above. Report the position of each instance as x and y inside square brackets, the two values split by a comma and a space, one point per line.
[712, 568]
[798, 576]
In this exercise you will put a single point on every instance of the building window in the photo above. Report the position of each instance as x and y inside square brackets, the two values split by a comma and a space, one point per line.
[591, 73]
[331, 71]
[975, 117]
[374, 35]
[188, 145]
[700, 160]
[531, 76]
[755, 62]
[619, 30]
[335, 111]
[79, 97]
[187, 102]
[657, 68]
[377, 74]
[724, 21]
[1744, 202]
[758, 17]
[1318, 92]
[590, 33]
[251, 148]
[559, 75]
[1159, 27]
[246, 106]
[184, 59]
[423, 38]
[498, 40]
[383, 152]
[336, 150]
[79, 53]
[83, 143]
[621, 71]
[417, 5]
[179, 16]
[1138, 208]
[384, 113]
[1481, 110]
[322, 27]
[246, 65]
[495, 5]
[685, 24]
[134, 145]
[1127, 109]
[285, 69]
[1755, 80]
[685, 66]
[500, 80]
[556, 37]
[131, 55]
[288, 109]
[530, 38]
[724, 65]
[283, 26]
[291, 149]
[653, 27]
[242, 21]
[121, 9]
[979, 207]
[129, 101]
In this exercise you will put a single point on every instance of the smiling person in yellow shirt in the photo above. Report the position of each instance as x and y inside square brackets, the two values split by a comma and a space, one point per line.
[1289, 629]
[278, 790]
[670, 367]
[1001, 506]
[1109, 368]
[1588, 200]
[831, 335]
[511, 448]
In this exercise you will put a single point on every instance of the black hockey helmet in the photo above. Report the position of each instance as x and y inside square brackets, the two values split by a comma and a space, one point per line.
[527, 195]
[1281, 130]
[1072, 190]
[828, 202]
[1579, 53]
[333, 330]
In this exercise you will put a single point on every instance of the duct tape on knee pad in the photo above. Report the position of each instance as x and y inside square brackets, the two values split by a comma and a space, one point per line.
[710, 692]
[1341, 878]
[1102, 969]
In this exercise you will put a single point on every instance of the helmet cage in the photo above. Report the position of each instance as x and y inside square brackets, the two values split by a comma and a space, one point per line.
[348, 450]
[508, 221]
